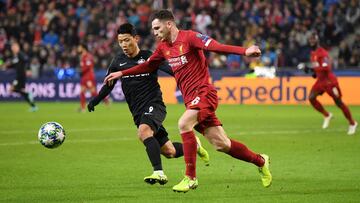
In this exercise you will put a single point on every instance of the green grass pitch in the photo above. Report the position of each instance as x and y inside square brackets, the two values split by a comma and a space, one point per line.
[102, 160]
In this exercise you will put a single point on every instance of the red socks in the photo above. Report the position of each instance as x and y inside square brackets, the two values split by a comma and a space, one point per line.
[347, 113]
[190, 149]
[240, 151]
[82, 100]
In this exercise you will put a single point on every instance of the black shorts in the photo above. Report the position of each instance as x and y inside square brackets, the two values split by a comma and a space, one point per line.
[153, 116]
[18, 84]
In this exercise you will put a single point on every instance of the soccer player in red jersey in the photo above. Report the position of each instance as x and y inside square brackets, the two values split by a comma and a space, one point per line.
[87, 76]
[184, 51]
[320, 65]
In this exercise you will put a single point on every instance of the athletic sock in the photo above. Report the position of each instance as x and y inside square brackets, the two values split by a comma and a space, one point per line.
[27, 98]
[240, 151]
[153, 152]
[317, 105]
[82, 100]
[347, 114]
[189, 148]
[179, 149]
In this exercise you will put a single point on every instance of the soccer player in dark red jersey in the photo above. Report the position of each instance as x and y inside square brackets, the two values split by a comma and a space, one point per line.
[184, 51]
[320, 65]
[87, 76]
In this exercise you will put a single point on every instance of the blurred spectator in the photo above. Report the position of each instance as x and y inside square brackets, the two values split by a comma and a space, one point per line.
[50, 30]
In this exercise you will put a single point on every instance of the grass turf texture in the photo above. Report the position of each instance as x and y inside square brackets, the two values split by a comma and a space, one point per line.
[102, 160]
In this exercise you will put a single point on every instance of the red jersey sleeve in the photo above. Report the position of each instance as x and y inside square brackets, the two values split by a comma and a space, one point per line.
[150, 65]
[205, 42]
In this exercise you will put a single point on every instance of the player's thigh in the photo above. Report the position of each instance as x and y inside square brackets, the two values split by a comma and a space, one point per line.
[188, 120]
[315, 91]
[217, 137]
[153, 116]
[334, 91]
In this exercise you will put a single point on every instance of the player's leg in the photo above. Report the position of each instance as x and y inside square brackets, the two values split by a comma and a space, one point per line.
[82, 97]
[218, 138]
[335, 93]
[175, 149]
[19, 87]
[168, 149]
[318, 106]
[150, 125]
[153, 151]
[186, 124]
[91, 85]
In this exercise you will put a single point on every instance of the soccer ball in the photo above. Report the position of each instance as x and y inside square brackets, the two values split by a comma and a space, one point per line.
[51, 135]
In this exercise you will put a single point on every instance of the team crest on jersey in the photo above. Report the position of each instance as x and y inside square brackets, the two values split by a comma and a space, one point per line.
[181, 49]
[140, 61]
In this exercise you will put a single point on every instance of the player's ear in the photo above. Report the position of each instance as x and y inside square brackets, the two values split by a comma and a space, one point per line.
[137, 38]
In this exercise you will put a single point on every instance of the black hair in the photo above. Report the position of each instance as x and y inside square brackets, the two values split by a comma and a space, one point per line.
[163, 15]
[83, 45]
[127, 28]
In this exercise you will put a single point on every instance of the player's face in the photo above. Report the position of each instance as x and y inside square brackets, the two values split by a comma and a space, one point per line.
[313, 40]
[15, 48]
[128, 44]
[79, 49]
[161, 29]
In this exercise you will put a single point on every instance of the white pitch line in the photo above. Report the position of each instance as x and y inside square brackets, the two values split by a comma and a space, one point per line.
[262, 132]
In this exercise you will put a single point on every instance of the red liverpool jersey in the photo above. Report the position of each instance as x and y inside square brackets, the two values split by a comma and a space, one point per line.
[187, 60]
[87, 66]
[322, 65]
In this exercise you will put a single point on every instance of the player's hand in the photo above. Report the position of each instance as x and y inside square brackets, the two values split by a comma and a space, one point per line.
[112, 76]
[301, 66]
[91, 106]
[253, 51]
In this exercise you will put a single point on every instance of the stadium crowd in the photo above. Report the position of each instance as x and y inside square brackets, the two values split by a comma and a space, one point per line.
[49, 31]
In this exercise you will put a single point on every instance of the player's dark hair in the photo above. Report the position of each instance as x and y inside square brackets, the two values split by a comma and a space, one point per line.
[163, 15]
[127, 28]
[83, 45]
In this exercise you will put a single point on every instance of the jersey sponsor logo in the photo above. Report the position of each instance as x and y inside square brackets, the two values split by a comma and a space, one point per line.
[134, 76]
[122, 64]
[177, 61]
[140, 61]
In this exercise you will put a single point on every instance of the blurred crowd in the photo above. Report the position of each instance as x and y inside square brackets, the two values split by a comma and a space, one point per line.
[50, 30]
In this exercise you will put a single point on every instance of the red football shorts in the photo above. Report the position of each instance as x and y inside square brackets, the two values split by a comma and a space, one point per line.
[330, 87]
[88, 82]
[206, 103]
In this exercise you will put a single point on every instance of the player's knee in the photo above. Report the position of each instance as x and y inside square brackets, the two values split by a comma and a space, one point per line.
[184, 126]
[338, 102]
[168, 152]
[312, 98]
[144, 132]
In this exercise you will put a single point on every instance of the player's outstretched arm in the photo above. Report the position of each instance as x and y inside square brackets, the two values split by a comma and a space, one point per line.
[252, 51]
[205, 42]
[149, 66]
[103, 93]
